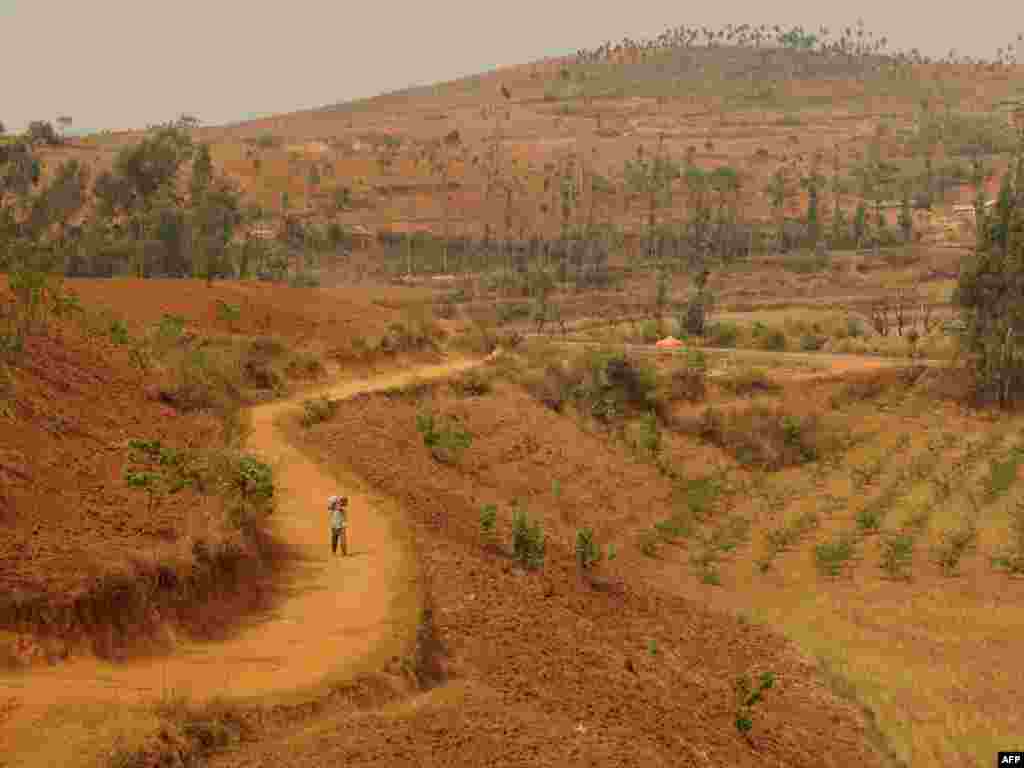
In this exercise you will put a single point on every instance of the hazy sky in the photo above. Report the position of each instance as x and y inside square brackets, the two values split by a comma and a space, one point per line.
[126, 63]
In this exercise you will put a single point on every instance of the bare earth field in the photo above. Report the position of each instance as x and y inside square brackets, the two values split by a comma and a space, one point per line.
[800, 492]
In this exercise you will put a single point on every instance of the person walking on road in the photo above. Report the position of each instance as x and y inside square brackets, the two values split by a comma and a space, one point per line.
[337, 506]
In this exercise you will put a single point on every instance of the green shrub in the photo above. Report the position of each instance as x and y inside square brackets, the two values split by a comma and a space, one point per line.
[649, 331]
[805, 263]
[587, 552]
[748, 381]
[897, 554]
[766, 435]
[229, 314]
[317, 411]
[648, 440]
[1012, 560]
[749, 694]
[954, 545]
[648, 542]
[773, 340]
[722, 335]
[830, 556]
[472, 383]
[870, 518]
[305, 279]
[528, 541]
[169, 330]
[710, 575]
[488, 521]
[204, 378]
[680, 525]
[1002, 474]
[700, 494]
[119, 332]
[810, 342]
[446, 441]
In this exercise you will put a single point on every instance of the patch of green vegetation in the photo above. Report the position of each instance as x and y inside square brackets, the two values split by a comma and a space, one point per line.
[830, 556]
[897, 555]
[317, 411]
[445, 438]
[749, 381]
[749, 694]
[528, 540]
[954, 545]
[1002, 474]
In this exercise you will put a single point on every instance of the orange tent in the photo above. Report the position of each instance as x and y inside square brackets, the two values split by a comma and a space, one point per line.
[669, 342]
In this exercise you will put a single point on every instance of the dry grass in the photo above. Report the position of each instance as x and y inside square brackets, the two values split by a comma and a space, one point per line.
[922, 651]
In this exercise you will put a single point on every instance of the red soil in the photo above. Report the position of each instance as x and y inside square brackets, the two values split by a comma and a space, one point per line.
[332, 316]
[540, 668]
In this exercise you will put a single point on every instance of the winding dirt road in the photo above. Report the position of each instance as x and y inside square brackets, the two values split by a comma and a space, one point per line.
[336, 613]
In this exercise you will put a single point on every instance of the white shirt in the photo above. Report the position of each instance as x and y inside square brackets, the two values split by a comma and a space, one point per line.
[338, 517]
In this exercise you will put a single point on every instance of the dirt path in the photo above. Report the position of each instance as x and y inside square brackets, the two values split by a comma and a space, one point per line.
[337, 612]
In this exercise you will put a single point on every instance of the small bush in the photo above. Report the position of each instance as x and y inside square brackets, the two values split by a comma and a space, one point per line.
[472, 383]
[700, 494]
[723, 335]
[710, 575]
[488, 521]
[1012, 560]
[119, 333]
[229, 314]
[1002, 474]
[317, 411]
[587, 552]
[869, 519]
[304, 364]
[773, 340]
[897, 554]
[528, 541]
[648, 439]
[648, 542]
[680, 525]
[749, 694]
[304, 279]
[649, 332]
[810, 342]
[749, 381]
[830, 556]
[767, 435]
[446, 441]
[954, 545]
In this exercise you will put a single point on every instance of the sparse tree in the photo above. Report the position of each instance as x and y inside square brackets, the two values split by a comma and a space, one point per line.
[780, 190]
[812, 182]
[991, 293]
[906, 215]
[43, 132]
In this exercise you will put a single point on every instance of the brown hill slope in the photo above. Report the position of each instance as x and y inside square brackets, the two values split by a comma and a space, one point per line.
[535, 668]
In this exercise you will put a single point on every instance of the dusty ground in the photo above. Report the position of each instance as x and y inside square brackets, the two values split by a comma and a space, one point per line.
[536, 668]
[920, 651]
[335, 615]
[539, 669]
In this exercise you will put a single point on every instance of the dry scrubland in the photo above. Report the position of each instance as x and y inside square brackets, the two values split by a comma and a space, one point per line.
[607, 540]
[864, 515]
[92, 561]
